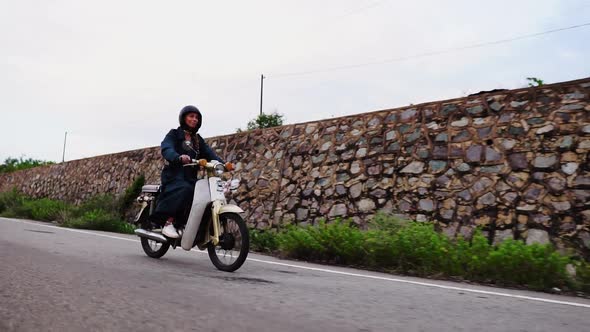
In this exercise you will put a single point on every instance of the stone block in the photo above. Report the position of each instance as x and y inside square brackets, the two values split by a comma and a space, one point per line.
[584, 144]
[412, 137]
[492, 155]
[545, 130]
[569, 168]
[582, 181]
[585, 238]
[461, 136]
[408, 115]
[517, 179]
[460, 123]
[422, 218]
[427, 205]
[356, 190]
[391, 135]
[474, 153]
[448, 109]
[463, 167]
[537, 236]
[518, 161]
[496, 106]
[361, 153]
[437, 166]
[565, 142]
[441, 138]
[366, 205]
[534, 193]
[338, 210]
[545, 161]
[415, 167]
[503, 235]
[476, 110]
[302, 214]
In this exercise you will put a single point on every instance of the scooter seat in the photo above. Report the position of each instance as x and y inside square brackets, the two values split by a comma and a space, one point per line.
[151, 188]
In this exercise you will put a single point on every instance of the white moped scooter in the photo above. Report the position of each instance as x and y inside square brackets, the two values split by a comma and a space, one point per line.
[212, 222]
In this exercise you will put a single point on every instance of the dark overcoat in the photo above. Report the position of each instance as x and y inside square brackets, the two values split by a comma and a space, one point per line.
[178, 182]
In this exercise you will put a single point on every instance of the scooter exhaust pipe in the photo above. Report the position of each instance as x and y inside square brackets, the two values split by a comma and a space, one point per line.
[150, 235]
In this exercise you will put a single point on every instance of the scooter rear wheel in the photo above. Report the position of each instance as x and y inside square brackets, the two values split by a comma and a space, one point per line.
[152, 248]
[234, 242]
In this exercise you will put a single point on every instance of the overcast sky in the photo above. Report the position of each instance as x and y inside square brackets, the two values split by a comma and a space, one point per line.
[114, 74]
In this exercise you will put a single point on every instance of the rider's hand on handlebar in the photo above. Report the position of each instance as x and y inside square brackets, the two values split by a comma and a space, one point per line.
[185, 159]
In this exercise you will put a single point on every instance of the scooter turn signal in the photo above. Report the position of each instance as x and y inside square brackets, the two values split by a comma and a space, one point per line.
[229, 166]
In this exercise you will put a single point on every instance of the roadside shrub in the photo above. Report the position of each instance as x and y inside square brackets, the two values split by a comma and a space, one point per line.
[342, 242]
[263, 241]
[104, 202]
[15, 204]
[537, 266]
[419, 249]
[44, 209]
[337, 242]
[9, 200]
[471, 257]
[298, 243]
[100, 220]
[581, 281]
[393, 244]
[102, 212]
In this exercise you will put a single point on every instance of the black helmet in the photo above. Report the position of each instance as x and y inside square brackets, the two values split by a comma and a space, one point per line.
[186, 110]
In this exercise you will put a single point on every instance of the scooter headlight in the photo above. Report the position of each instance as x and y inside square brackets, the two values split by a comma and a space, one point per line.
[219, 169]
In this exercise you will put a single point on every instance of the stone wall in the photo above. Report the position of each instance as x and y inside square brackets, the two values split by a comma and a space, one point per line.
[513, 162]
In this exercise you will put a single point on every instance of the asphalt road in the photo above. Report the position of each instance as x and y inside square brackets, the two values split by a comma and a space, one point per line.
[56, 279]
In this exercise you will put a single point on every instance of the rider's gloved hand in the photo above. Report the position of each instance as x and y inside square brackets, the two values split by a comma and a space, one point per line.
[184, 159]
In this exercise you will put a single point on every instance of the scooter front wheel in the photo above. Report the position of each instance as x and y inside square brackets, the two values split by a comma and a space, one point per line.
[234, 242]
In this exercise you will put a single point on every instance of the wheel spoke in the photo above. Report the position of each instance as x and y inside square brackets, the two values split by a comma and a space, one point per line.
[231, 251]
[230, 230]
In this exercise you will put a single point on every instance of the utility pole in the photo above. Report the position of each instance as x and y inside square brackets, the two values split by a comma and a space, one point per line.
[261, 90]
[63, 157]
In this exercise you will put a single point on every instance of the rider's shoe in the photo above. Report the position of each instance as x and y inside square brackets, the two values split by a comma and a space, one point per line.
[170, 231]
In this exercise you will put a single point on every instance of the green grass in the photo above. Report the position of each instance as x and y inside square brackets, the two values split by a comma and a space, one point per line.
[102, 212]
[263, 241]
[394, 245]
[99, 220]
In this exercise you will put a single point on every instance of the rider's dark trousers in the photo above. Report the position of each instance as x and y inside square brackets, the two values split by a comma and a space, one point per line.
[175, 201]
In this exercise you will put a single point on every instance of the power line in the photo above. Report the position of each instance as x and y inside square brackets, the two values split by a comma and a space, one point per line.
[431, 53]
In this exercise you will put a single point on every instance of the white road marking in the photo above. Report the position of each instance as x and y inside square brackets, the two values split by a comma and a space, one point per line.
[477, 291]
[426, 284]
[73, 230]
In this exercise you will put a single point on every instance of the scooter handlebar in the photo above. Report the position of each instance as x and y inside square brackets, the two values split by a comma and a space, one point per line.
[204, 163]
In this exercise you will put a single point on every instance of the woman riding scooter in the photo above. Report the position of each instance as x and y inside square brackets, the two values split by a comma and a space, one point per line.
[178, 182]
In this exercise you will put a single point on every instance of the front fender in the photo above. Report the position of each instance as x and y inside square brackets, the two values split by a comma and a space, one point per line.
[230, 208]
